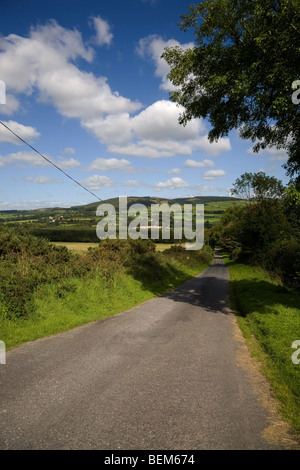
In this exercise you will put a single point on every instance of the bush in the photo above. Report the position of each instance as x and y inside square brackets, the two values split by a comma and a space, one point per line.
[73, 234]
[28, 262]
[286, 261]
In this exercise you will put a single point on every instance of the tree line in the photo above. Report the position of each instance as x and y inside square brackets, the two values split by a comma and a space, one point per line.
[265, 232]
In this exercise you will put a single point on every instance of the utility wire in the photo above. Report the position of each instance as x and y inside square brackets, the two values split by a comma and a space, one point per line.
[49, 161]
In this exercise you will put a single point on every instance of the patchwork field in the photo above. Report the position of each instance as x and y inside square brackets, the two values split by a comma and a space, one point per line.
[77, 225]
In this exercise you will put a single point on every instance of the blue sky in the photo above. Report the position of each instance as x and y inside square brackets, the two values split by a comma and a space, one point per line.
[86, 86]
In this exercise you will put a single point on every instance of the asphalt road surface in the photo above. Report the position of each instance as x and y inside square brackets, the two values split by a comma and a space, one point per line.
[163, 375]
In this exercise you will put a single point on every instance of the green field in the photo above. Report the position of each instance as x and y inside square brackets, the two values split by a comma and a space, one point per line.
[79, 247]
[78, 224]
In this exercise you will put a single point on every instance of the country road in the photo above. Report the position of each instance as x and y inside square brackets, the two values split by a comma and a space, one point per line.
[166, 374]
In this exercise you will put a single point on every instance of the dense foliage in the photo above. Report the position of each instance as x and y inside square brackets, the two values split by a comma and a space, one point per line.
[242, 72]
[266, 231]
[28, 262]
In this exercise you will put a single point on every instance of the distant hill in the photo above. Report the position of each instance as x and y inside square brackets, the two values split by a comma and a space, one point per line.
[148, 200]
[78, 223]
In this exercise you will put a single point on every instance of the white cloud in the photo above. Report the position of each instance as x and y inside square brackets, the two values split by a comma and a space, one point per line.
[31, 158]
[66, 163]
[212, 149]
[154, 133]
[276, 155]
[139, 149]
[153, 47]
[95, 182]
[24, 157]
[106, 164]
[203, 164]
[160, 122]
[213, 174]
[115, 128]
[175, 171]
[43, 62]
[42, 179]
[103, 34]
[205, 188]
[11, 106]
[27, 133]
[69, 151]
[173, 183]
[36, 204]
[133, 183]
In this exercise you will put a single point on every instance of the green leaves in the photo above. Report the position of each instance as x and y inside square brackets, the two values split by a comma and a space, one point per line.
[241, 71]
[257, 187]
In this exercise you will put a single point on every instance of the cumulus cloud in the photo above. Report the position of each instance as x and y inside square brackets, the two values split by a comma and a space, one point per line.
[205, 188]
[173, 183]
[103, 34]
[203, 164]
[66, 163]
[27, 133]
[160, 120]
[154, 133]
[106, 164]
[153, 46]
[115, 128]
[43, 61]
[133, 183]
[213, 149]
[175, 171]
[69, 151]
[213, 174]
[24, 157]
[42, 179]
[11, 105]
[31, 158]
[276, 155]
[96, 182]
[36, 204]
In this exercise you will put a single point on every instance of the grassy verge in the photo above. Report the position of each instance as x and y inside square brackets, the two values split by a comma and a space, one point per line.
[112, 278]
[269, 316]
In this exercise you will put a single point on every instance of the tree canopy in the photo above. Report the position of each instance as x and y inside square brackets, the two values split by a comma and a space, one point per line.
[242, 72]
[258, 187]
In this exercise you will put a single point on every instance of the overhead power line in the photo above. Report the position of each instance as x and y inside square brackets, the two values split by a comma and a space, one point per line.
[49, 161]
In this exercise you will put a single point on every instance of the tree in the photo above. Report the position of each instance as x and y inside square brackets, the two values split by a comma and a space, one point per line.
[258, 187]
[291, 200]
[242, 72]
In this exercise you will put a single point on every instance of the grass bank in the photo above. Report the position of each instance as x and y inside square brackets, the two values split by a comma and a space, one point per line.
[269, 316]
[46, 289]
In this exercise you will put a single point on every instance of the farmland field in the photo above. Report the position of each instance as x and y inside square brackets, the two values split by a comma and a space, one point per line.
[76, 225]
[81, 246]
[76, 246]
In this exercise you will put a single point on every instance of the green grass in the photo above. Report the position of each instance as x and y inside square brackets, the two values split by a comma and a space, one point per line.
[60, 306]
[269, 316]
